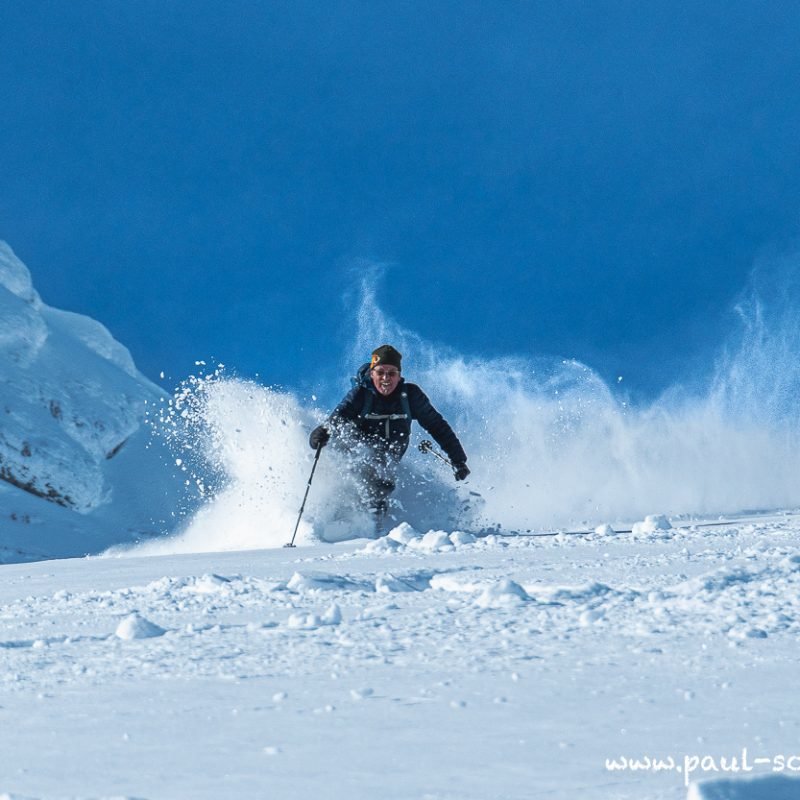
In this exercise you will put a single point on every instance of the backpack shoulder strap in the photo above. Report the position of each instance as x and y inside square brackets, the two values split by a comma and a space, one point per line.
[406, 405]
[367, 407]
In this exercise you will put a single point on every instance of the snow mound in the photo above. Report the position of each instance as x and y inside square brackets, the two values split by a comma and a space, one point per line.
[604, 530]
[769, 787]
[403, 533]
[134, 626]
[582, 593]
[455, 583]
[382, 545]
[309, 622]
[460, 538]
[502, 594]
[320, 581]
[410, 582]
[433, 541]
[210, 584]
[653, 523]
[404, 538]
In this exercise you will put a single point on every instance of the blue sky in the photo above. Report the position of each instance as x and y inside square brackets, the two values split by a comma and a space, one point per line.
[590, 180]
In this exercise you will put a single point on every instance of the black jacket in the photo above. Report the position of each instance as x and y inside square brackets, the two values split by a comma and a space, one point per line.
[384, 421]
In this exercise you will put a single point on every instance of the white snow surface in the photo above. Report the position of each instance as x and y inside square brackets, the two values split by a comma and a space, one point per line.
[511, 667]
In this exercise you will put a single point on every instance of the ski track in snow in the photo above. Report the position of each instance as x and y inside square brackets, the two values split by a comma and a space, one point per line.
[434, 666]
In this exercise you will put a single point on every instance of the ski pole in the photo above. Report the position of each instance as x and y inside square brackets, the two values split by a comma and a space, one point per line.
[305, 497]
[426, 446]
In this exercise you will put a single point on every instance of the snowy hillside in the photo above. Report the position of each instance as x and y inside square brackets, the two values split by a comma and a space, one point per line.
[76, 474]
[418, 666]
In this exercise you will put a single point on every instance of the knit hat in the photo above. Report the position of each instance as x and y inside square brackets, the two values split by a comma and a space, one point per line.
[385, 354]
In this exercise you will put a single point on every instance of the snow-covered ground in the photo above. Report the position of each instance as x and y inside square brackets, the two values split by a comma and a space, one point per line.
[409, 667]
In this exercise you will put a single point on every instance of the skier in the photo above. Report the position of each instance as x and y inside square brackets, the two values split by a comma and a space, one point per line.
[373, 423]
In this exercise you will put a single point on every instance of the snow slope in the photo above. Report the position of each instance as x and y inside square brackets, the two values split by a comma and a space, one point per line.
[430, 666]
[75, 468]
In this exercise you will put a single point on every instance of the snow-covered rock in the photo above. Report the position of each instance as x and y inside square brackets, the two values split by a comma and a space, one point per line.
[72, 413]
[71, 395]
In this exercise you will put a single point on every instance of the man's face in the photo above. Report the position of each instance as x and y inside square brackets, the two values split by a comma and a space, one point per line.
[385, 379]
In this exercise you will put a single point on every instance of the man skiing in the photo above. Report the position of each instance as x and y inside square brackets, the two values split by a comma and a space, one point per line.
[373, 422]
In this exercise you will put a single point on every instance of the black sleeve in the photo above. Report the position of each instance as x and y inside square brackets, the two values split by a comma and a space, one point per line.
[349, 408]
[434, 423]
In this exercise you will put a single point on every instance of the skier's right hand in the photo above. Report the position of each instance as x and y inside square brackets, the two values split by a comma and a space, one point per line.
[320, 436]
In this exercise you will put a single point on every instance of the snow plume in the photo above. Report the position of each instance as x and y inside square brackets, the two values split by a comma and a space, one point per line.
[245, 449]
[550, 444]
[758, 374]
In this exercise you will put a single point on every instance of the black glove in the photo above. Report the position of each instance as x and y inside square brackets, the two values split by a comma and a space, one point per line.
[461, 471]
[319, 437]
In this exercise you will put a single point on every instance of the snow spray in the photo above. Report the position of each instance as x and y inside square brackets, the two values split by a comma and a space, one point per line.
[550, 444]
[245, 449]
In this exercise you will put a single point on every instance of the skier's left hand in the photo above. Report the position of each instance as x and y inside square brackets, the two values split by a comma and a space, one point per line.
[461, 471]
